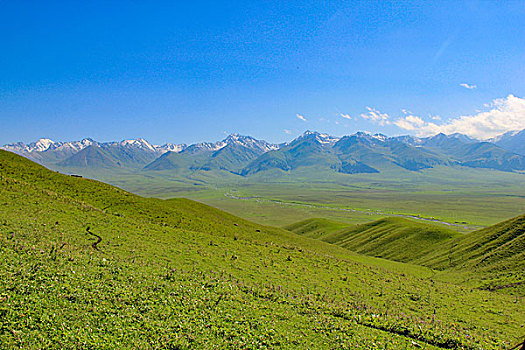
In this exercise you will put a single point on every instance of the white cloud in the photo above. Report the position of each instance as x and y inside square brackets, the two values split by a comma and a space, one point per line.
[286, 131]
[376, 116]
[301, 117]
[410, 122]
[505, 114]
[468, 86]
[346, 116]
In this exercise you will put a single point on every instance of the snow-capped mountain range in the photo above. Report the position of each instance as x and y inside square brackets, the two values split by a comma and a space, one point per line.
[43, 144]
[360, 152]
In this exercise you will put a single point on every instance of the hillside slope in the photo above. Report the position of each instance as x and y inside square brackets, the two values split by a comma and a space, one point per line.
[84, 264]
[317, 228]
[497, 253]
[494, 256]
[391, 238]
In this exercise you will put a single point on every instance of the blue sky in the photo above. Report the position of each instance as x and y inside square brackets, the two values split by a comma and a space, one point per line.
[192, 71]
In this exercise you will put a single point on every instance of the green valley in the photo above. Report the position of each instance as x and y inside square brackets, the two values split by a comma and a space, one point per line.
[179, 274]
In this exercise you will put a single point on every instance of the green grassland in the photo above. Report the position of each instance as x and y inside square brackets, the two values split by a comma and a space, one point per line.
[179, 274]
[467, 197]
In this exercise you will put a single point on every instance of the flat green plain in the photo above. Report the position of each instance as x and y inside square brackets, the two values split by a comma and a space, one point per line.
[464, 197]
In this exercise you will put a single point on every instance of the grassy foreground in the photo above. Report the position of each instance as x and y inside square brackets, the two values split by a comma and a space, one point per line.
[178, 274]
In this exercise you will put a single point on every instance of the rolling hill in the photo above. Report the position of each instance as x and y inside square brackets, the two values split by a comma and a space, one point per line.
[494, 256]
[391, 238]
[495, 249]
[84, 264]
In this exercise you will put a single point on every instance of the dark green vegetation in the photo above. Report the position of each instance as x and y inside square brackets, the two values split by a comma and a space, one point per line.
[492, 258]
[179, 274]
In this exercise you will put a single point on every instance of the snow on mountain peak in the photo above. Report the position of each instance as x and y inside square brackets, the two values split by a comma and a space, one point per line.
[140, 143]
[321, 138]
[170, 147]
[40, 145]
[248, 141]
[380, 137]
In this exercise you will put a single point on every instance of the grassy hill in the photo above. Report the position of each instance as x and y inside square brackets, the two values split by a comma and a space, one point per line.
[178, 274]
[317, 228]
[492, 257]
[391, 238]
[497, 253]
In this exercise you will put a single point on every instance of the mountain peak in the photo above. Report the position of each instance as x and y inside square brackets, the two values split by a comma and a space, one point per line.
[41, 145]
[319, 137]
[247, 141]
[140, 143]
[236, 137]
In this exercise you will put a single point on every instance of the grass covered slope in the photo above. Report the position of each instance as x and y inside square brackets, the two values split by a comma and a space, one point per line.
[317, 228]
[497, 253]
[179, 274]
[494, 256]
[391, 238]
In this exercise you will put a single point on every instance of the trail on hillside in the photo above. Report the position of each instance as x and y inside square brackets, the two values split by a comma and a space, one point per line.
[99, 239]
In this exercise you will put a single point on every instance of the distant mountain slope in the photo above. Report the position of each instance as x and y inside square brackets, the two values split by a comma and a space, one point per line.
[513, 141]
[379, 150]
[169, 160]
[474, 154]
[46, 151]
[359, 153]
[310, 149]
[132, 153]
[93, 157]
[230, 154]
[312, 152]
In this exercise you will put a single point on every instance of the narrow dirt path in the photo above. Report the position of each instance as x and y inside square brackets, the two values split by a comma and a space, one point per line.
[99, 239]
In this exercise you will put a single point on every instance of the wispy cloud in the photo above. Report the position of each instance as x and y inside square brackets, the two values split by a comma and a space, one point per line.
[505, 114]
[346, 116]
[376, 116]
[301, 117]
[443, 48]
[468, 86]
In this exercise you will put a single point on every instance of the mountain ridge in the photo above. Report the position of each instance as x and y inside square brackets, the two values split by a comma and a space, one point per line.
[245, 155]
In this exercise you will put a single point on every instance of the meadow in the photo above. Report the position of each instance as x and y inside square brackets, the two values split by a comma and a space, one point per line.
[179, 274]
[465, 199]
